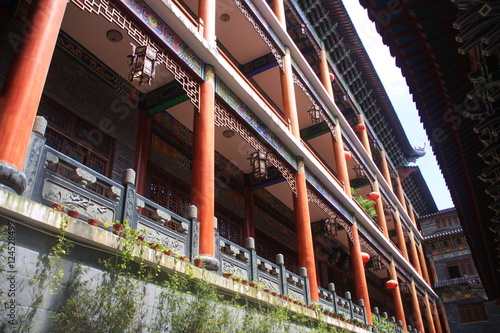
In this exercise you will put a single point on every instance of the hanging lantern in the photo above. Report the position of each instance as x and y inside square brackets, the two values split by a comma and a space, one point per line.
[332, 77]
[258, 161]
[359, 128]
[373, 196]
[347, 155]
[142, 64]
[365, 257]
[391, 284]
[315, 114]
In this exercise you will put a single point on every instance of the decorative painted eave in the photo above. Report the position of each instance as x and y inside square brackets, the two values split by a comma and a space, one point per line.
[422, 36]
[332, 24]
[444, 234]
[418, 192]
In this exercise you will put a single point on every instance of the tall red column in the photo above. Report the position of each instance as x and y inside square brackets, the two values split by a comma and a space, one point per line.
[23, 88]
[398, 224]
[142, 145]
[396, 298]
[437, 321]
[303, 230]
[379, 207]
[325, 72]
[428, 315]
[385, 168]
[206, 15]
[338, 145]
[203, 179]
[442, 311]
[363, 135]
[423, 264]
[358, 271]
[338, 151]
[419, 323]
[399, 193]
[300, 201]
[414, 254]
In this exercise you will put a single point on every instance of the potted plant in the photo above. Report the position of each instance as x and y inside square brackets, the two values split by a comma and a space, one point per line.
[227, 275]
[117, 228]
[93, 222]
[198, 262]
[58, 207]
[73, 213]
[154, 246]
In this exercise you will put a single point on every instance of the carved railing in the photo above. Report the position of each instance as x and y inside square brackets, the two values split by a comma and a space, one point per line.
[54, 178]
[272, 277]
[345, 306]
[391, 323]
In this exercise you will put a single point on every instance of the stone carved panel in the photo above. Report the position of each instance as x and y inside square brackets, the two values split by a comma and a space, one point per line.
[228, 266]
[58, 193]
[153, 235]
[272, 285]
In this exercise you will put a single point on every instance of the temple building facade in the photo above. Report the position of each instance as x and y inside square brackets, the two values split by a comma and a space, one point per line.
[254, 136]
[455, 276]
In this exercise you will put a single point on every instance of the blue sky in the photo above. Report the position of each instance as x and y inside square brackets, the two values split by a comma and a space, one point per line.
[398, 92]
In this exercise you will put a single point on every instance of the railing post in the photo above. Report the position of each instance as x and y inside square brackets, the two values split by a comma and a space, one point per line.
[129, 199]
[331, 288]
[307, 291]
[349, 300]
[194, 231]
[376, 313]
[250, 246]
[34, 163]
[280, 261]
[362, 304]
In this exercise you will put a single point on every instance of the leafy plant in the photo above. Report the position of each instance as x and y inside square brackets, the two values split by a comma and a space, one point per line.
[367, 204]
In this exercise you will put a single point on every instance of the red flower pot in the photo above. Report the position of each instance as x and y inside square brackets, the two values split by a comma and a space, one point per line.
[93, 222]
[73, 213]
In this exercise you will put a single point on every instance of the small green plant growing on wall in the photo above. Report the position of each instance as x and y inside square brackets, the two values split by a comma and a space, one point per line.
[367, 204]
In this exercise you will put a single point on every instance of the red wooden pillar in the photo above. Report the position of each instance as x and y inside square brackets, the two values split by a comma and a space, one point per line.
[419, 323]
[23, 88]
[437, 321]
[396, 298]
[206, 17]
[142, 145]
[249, 224]
[399, 193]
[363, 135]
[428, 315]
[423, 264]
[325, 72]
[203, 179]
[300, 201]
[414, 254]
[305, 244]
[442, 311]
[358, 271]
[398, 224]
[385, 168]
[338, 145]
[379, 207]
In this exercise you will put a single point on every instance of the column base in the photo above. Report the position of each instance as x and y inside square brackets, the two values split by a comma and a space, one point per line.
[12, 179]
[210, 263]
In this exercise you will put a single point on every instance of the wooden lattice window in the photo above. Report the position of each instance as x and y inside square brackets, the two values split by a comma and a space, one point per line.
[446, 222]
[169, 193]
[268, 248]
[76, 138]
[229, 227]
[472, 312]
[459, 268]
